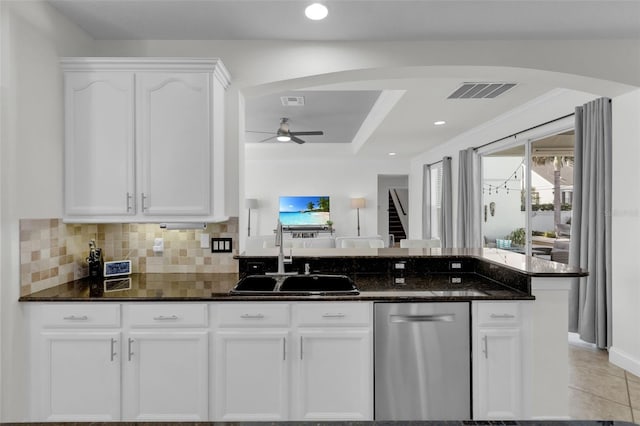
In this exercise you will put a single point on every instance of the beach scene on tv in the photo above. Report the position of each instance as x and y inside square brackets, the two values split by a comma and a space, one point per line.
[304, 211]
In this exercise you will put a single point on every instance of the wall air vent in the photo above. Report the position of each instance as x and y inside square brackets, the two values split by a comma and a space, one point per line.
[480, 90]
[292, 100]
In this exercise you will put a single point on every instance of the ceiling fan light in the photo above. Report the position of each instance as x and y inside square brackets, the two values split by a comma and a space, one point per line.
[316, 11]
[283, 138]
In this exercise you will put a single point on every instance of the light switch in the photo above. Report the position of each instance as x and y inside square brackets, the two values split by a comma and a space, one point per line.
[204, 240]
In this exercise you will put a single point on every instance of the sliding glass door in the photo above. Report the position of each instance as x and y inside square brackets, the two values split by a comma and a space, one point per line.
[527, 192]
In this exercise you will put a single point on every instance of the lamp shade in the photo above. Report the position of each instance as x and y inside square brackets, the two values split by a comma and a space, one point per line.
[358, 203]
[251, 203]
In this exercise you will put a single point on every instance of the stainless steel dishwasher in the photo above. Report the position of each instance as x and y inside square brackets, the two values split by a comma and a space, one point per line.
[422, 361]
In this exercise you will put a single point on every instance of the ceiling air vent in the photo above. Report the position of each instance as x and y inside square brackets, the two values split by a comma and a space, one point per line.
[480, 90]
[292, 100]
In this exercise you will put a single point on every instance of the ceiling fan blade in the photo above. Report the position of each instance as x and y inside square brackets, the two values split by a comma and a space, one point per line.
[257, 131]
[296, 139]
[270, 137]
[310, 133]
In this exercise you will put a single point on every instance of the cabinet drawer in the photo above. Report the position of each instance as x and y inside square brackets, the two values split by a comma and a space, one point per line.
[496, 313]
[167, 315]
[81, 315]
[332, 314]
[252, 315]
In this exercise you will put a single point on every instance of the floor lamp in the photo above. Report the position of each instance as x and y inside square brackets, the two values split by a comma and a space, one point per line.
[250, 203]
[358, 203]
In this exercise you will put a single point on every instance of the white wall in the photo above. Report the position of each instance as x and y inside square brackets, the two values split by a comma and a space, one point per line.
[33, 37]
[303, 170]
[625, 351]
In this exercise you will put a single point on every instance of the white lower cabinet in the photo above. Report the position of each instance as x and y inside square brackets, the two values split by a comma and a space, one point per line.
[334, 375]
[501, 342]
[90, 362]
[252, 380]
[293, 361]
[165, 376]
[81, 376]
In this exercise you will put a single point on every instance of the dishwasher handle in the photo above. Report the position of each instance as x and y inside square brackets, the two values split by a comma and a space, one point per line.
[398, 319]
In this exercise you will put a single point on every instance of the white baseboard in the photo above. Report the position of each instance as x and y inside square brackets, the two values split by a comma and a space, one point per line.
[624, 360]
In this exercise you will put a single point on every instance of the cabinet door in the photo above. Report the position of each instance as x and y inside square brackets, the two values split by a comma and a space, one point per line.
[251, 375]
[499, 374]
[81, 376]
[334, 375]
[174, 136]
[99, 143]
[166, 376]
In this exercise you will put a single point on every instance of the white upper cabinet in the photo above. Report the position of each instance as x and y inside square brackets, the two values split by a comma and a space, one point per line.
[144, 139]
[99, 143]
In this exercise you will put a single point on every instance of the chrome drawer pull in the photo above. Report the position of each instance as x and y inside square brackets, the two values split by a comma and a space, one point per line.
[142, 200]
[76, 318]
[502, 316]
[165, 318]
[284, 349]
[338, 315]
[252, 316]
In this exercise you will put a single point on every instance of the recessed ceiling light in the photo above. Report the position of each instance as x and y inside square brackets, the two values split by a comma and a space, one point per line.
[391, 154]
[439, 123]
[316, 11]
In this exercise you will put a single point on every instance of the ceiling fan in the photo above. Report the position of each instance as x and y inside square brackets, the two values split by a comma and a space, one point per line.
[283, 134]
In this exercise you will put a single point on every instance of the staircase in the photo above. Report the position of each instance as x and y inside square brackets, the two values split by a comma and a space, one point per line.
[395, 225]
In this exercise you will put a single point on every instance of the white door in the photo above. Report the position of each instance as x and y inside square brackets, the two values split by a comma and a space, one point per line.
[174, 136]
[499, 379]
[81, 376]
[165, 376]
[334, 375]
[252, 375]
[99, 143]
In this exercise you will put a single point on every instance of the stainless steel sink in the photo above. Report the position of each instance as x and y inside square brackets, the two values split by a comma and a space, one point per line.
[312, 284]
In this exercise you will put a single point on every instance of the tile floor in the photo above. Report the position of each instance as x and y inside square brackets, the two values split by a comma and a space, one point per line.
[599, 390]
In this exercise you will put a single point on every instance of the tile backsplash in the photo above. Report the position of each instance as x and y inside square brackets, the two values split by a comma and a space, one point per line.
[53, 252]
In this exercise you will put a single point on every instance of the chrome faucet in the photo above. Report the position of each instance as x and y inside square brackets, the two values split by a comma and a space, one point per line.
[282, 259]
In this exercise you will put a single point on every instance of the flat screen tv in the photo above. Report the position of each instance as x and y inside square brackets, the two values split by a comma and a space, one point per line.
[304, 211]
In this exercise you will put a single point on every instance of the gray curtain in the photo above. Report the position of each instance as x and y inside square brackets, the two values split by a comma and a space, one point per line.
[426, 201]
[446, 207]
[590, 247]
[469, 233]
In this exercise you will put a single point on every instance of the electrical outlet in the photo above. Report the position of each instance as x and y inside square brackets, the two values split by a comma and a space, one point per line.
[221, 245]
[204, 240]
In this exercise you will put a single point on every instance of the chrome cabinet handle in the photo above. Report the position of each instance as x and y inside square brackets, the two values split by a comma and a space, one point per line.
[76, 318]
[131, 353]
[301, 347]
[252, 316]
[165, 318]
[129, 197]
[422, 318]
[113, 352]
[284, 348]
[143, 197]
[337, 315]
[502, 316]
[486, 347]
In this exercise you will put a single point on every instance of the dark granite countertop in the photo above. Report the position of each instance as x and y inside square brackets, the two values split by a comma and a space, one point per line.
[529, 265]
[216, 287]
